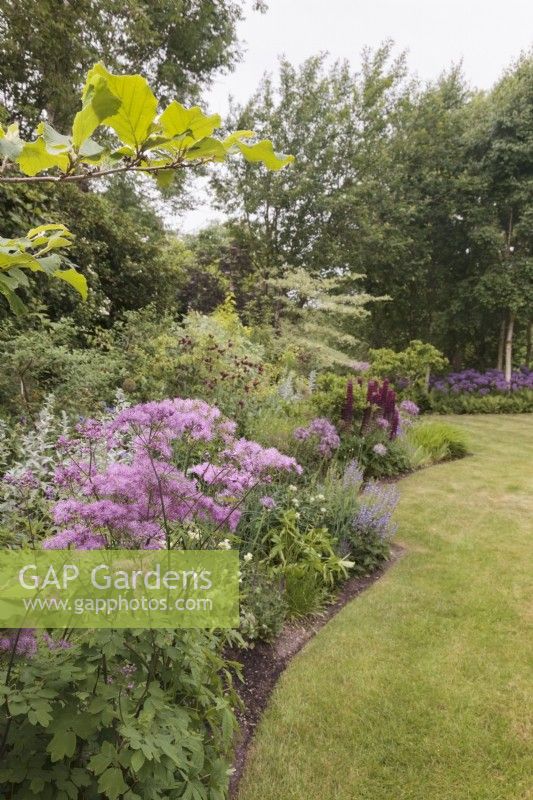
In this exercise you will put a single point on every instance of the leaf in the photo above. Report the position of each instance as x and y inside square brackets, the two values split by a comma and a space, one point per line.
[112, 783]
[164, 178]
[177, 120]
[137, 760]
[99, 103]
[211, 149]
[237, 136]
[10, 142]
[74, 279]
[53, 140]
[138, 105]
[62, 744]
[263, 152]
[101, 761]
[35, 158]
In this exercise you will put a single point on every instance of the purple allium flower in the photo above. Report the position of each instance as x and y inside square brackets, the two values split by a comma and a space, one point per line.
[323, 433]
[268, 502]
[410, 408]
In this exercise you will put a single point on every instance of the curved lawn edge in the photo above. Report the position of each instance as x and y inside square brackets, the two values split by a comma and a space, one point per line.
[423, 687]
[263, 665]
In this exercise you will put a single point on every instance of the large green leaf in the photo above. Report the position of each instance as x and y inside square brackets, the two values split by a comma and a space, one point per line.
[74, 279]
[263, 152]
[177, 120]
[134, 117]
[98, 104]
[35, 158]
[209, 148]
[55, 142]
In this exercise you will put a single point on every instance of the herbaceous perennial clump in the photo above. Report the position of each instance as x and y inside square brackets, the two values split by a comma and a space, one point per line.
[323, 433]
[136, 480]
[377, 506]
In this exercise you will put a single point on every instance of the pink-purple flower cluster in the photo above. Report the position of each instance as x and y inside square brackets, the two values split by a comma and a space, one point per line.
[129, 479]
[323, 433]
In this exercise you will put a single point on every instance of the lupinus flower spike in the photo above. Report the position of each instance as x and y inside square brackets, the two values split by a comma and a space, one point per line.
[347, 411]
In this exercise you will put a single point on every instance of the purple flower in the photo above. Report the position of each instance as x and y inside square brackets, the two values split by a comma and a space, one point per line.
[323, 433]
[268, 502]
[410, 408]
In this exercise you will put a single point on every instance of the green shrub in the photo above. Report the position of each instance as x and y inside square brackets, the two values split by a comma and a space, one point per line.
[329, 397]
[440, 440]
[518, 402]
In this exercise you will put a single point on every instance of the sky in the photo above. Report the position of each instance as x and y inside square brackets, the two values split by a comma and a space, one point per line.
[485, 35]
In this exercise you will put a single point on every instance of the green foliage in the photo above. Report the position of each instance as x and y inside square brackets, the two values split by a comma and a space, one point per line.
[440, 440]
[414, 364]
[263, 605]
[36, 252]
[180, 46]
[518, 402]
[322, 314]
[329, 396]
[145, 141]
[118, 714]
[121, 110]
[305, 557]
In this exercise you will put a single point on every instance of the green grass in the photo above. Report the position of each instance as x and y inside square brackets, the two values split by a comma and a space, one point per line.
[419, 689]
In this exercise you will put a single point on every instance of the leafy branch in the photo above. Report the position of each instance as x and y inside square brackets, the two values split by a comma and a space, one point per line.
[117, 130]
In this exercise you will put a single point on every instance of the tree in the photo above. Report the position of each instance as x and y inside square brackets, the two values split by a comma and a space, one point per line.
[46, 48]
[138, 140]
[501, 150]
[333, 121]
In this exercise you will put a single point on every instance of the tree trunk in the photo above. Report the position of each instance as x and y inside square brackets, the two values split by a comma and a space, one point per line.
[509, 348]
[529, 343]
[501, 346]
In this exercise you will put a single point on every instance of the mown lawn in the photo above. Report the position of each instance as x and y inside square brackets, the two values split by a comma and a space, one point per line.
[421, 688]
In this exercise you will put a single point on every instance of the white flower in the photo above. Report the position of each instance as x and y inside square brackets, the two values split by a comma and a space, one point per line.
[312, 499]
[293, 488]
[323, 510]
[247, 557]
[297, 515]
[225, 544]
[295, 502]
[194, 535]
[321, 497]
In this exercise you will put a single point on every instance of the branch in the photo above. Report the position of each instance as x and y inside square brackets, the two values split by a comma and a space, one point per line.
[84, 176]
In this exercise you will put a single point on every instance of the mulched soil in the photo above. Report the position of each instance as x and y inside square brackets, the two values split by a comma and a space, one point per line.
[262, 665]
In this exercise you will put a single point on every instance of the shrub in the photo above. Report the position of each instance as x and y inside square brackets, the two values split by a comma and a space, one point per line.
[516, 402]
[440, 440]
[410, 367]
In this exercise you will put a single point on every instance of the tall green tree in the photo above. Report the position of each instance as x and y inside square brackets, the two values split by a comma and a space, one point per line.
[46, 47]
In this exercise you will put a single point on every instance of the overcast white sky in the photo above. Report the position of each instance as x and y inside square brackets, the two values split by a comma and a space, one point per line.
[486, 35]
